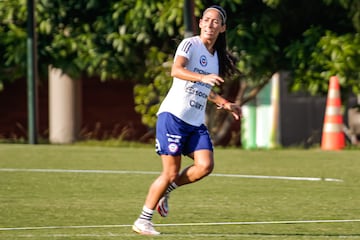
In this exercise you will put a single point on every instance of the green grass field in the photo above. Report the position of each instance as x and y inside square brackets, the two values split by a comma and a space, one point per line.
[41, 199]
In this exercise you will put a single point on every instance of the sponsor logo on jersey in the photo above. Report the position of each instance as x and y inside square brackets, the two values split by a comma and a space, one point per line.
[173, 138]
[196, 92]
[196, 105]
[200, 71]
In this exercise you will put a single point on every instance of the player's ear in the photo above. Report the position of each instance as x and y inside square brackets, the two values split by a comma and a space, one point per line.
[200, 23]
[223, 28]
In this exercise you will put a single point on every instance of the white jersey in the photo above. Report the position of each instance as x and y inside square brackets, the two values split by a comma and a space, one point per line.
[186, 99]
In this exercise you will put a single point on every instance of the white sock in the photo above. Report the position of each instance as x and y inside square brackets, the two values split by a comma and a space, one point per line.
[146, 213]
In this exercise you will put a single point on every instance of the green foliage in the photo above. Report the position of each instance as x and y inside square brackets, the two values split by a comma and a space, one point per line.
[79, 38]
[341, 57]
[149, 96]
[12, 40]
[272, 3]
[353, 10]
[131, 39]
[253, 40]
[322, 54]
[266, 39]
[107, 39]
[254, 44]
[111, 39]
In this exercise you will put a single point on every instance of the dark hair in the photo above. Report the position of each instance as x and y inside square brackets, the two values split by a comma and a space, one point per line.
[227, 62]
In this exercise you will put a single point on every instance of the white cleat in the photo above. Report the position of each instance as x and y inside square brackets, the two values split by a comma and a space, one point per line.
[144, 227]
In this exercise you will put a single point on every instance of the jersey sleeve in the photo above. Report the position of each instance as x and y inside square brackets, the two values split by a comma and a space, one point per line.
[184, 49]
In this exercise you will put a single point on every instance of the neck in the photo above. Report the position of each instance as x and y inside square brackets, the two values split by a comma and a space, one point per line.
[209, 44]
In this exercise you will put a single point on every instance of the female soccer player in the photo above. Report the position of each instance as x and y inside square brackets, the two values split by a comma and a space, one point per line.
[200, 63]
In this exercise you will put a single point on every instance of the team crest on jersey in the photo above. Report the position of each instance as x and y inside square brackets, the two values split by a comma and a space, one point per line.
[203, 61]
[173, 147]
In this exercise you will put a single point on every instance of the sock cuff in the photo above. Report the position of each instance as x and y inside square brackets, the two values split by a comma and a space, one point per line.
[173, 185]
[147, 210]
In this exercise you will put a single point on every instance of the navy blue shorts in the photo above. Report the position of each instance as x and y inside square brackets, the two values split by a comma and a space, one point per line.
[175, 137]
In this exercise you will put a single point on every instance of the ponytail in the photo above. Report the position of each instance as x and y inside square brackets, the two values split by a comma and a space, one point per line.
[227, 62]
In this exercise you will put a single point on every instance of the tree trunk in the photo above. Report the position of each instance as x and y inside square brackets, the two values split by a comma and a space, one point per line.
[223, 128]
[64, 107]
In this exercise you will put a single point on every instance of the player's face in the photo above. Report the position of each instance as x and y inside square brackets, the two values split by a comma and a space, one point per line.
[211, 24]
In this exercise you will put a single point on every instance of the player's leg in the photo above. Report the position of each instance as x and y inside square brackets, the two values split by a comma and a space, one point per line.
[171, 166]
[200, 149]
[202, 166]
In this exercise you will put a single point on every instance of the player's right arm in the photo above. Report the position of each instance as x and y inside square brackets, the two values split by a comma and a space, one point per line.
[179, 70]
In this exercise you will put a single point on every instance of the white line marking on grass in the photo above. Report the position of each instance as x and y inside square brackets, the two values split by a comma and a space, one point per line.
[156, 173]
[259, 223]
[279, 177]
[185, 224]
[44, 170]
[192, 235]
[64, 227]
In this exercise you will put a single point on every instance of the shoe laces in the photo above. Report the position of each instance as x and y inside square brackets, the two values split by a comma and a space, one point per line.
[149, 226]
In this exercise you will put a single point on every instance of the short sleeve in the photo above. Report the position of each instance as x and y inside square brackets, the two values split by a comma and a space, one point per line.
[184, 49]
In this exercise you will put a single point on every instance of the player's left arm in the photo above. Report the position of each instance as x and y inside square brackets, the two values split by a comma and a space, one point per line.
[221, 102]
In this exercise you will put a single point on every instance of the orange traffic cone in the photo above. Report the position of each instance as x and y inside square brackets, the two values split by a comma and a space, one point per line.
[333, 137]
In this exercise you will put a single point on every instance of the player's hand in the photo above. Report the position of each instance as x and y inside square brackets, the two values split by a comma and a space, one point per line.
[212, 79]
[234, 109]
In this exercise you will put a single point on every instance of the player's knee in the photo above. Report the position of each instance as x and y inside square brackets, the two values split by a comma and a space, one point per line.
[170, 176]
[173, 177]
[206, 168]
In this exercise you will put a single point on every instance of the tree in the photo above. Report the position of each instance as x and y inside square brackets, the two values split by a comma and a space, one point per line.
[326, 55]
[327, 49]
[108, 39]
[268, 36]
[13, 40]
[136, 39]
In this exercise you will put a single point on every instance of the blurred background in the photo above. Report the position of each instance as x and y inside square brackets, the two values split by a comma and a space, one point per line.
[80, 70]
